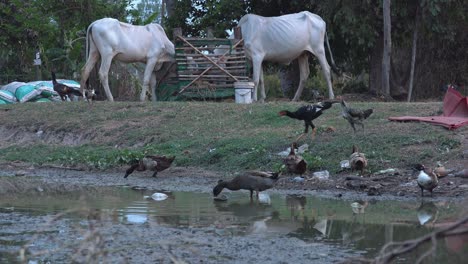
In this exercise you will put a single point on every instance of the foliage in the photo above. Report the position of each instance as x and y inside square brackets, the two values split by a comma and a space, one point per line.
[55, 28]
[145, 12]
[198, 15]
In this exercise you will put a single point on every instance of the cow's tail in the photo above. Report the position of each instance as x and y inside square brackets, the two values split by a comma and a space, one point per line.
[333, 65]
[88, 31]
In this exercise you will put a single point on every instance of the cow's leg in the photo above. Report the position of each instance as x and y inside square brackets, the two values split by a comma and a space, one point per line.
[262, 87]
[257, 69]
[326, 71]
[88, 67]
[147, 77]
[304, 74]
[153, 86]
[106, 61]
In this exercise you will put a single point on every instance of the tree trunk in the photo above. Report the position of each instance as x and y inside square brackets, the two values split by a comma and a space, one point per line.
[289, 79]
[387, 48]
[375, 67]
[169, 4]
[413, 54]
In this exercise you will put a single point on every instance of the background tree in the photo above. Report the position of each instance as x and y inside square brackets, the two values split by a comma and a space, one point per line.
[387, 47]
[56, 28]
[355, 30]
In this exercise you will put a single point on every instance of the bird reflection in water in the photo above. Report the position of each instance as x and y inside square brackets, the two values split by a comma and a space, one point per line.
[427, 213]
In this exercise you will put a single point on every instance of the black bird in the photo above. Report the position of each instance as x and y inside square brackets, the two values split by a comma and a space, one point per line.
[308, 113]
[64, 90]
[254, 181]
[150, 162]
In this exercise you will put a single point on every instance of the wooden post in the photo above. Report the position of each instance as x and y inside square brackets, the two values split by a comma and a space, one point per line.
[176, 32]
[237, 33]
[209, 32]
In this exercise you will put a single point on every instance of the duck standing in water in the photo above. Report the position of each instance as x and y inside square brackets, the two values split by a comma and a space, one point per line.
[253, 181]
[427, 179]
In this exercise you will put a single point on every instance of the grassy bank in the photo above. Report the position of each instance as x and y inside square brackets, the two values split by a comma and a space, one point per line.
[218, 136]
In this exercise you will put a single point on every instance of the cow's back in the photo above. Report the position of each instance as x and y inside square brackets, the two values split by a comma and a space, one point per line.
[130, 43]
[281, 38]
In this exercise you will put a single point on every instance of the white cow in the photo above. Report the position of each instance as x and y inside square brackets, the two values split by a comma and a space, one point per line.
[282, 39]
[108, 38]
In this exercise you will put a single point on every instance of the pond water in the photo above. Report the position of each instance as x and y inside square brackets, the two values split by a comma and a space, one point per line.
[361, 227]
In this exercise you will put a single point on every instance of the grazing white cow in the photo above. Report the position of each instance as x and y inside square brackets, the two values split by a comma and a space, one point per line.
[109, 38]
[282, 39]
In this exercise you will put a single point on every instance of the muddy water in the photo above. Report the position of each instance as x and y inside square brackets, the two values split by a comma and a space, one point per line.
[346, 228]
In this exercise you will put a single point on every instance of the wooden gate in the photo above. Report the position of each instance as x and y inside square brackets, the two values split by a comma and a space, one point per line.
[209, 67]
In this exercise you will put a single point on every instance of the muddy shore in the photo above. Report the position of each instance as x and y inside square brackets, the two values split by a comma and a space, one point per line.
[394, 185]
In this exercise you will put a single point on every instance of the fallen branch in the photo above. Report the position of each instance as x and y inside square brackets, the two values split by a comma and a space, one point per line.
[408, 245]
[403, 247]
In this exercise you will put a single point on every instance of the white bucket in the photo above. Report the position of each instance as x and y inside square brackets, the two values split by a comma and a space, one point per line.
[243, 92]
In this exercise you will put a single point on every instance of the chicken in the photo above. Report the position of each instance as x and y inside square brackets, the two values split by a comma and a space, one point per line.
[308, 113]
[353, 115]
[295, 163]
[427, 179]
[357, 160]
[152, 163]
[253, 181]
[89, 93]
[64, 90]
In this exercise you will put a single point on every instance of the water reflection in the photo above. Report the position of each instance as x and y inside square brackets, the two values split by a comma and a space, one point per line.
[361, 226]
[427, 213]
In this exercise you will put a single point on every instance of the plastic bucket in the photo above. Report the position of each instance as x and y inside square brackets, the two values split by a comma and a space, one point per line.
[243, 92]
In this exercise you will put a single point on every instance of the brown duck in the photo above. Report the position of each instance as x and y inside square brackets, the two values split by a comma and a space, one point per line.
[150, 162]
[253, 181]
[357, 160]
[295, 163]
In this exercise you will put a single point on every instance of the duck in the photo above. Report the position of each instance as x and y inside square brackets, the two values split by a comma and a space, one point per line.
[253, 181]
[427, 179]
[441, 171]
[357, 160]
[309, 113]
[295, 163]
[150, 162]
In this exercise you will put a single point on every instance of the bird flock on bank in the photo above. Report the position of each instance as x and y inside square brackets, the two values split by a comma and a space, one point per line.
[294, 163]
[257, 181]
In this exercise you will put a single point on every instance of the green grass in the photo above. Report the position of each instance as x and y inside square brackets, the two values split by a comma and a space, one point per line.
[222, 136]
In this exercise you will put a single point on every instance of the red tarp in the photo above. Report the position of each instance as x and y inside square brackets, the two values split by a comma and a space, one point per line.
[455, 112]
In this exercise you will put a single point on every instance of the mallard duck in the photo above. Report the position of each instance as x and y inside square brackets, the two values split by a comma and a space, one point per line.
[150, 162]
[357, 160]
[427, 179]
[295, 163]
[253, 181]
